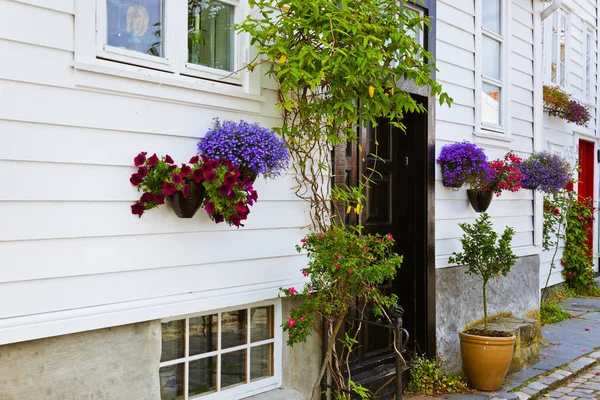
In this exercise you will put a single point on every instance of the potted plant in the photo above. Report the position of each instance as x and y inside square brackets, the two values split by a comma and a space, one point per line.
[545, 172]
[160, 179]
[559, 104]
[501, 174]
[228, 194]
[486, 354]
[461, 163]
[254, 149]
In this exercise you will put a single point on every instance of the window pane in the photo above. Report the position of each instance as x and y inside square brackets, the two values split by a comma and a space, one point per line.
[261, 361]
[490, 104]
[203, 334]
[491, 58]
[171, 382]
[554, 52]
[491, 15]
[173, 340]
[233, 328]
[563, 40]
[233, 368]
[203, 376]
[210, 34]
[261, 327]
[136, 25]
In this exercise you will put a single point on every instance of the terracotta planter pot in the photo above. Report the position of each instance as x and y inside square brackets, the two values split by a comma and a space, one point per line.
[186, 207]
[480, 201]
[486, 359]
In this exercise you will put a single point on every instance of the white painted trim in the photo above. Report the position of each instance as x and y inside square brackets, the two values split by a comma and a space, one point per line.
[547, 49]
[538, 115]
[30, 327]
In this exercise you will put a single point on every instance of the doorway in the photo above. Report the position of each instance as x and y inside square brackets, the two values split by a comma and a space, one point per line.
[585, 187]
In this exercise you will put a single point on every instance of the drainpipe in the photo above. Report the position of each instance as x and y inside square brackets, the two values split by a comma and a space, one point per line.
[550, 9]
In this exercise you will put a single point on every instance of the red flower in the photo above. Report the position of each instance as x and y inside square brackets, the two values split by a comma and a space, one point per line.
[291, 322]
[152, 160]
[337, 266]
[224, 189]
[210, 176]
[236, 220]
[304, 272]
[569, 186]
[185, 191]
[168, 159]
[218, 218]
[140, 159]
[556, 211]
[231, 195]
[389, 235]
[210, 208]
[159, 198]
[349, 272]
[147, 197]
[177, 179]
[197, 176]
[186, 170]
[194, 160]
[138, 209]
[292, 291]
[135, 179]
[142, 171]
[303, 240]
[169, 189]
[230, 179]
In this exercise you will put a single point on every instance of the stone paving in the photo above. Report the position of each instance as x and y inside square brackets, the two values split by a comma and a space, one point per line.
[585, 386]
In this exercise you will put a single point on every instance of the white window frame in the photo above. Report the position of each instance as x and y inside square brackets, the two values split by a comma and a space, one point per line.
[244, 389]
[588, 64]
[484, 129]
[547, 48]
[90, 47]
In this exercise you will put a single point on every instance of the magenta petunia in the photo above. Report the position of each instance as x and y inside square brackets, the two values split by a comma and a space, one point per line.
[168, 159]
[210, 176]
[135, 179]
[169, 189]
[152, 160]
[138, 209]
[231, 195]
[230, 179]
[254, 195]
[159, 198]
[236, 220]
[140, 159]
[171, 168]
[210, 208]
[147, 197]
[197, 176]
[224, 189]
[194, 160]
[142, 172]
[177, 179]
[218, 218]
[185, 191]
[186, 170]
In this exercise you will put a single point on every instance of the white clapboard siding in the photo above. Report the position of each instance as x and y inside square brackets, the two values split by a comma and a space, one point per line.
[73, 255]
[456, 63]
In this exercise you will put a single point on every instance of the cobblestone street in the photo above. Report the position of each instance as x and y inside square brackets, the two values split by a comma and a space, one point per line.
[585, 386]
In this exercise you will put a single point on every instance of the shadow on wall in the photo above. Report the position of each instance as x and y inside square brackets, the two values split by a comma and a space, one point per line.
[459, 301]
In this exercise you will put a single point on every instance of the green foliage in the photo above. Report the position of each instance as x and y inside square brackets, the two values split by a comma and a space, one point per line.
[551, 313]
[338, 66]
[427, 378]
[484, 255]
[344, 265]
[577, 259]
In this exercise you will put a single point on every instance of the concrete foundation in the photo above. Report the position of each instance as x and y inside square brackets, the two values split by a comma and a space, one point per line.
[302, 362]
[106, 364]
[459, 301]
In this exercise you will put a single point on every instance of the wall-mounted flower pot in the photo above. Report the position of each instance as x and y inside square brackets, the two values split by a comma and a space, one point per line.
[186, 207]
[480, 201]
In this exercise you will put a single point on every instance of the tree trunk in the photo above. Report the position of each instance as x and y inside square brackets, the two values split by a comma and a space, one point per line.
[485, 319]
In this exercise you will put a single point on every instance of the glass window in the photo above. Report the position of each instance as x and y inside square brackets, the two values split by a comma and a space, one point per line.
[211, 353]
[491, 14]
[492, 74]
[136, 25]
[211, 34]
[557, 48]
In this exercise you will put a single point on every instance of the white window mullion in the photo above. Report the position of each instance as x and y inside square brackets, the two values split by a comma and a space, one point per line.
[186, 365]
[219, 352]
[248, 341]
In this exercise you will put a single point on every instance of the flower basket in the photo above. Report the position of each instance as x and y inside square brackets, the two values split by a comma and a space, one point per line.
[186, 207]
[480, 201]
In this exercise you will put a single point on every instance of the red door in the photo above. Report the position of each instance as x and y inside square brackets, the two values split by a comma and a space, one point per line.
[585, 187]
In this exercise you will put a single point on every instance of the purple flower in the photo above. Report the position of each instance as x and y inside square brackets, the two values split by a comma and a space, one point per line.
[230, 179]
[545, 172]
[210, 207]
[461, 163]
[246, 145]
[224, 189]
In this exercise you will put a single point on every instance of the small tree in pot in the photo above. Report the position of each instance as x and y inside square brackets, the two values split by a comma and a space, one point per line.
[486, 354]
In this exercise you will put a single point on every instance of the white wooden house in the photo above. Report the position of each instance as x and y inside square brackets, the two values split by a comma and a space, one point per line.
[96, 301]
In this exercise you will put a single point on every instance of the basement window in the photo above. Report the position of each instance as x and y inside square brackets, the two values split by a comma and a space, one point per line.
[222, 354]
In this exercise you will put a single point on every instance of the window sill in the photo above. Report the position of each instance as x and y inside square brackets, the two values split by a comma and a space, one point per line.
[167, 79]
[278, 394]
[497, 136]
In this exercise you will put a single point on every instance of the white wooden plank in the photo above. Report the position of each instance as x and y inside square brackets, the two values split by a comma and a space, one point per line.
[90, 291]
[40, 21]
[454, 54]
[455, 16]
[449, 229]
[521, 80]
[65, 6]
[445, 247]
[79, 182]
[447, 32]
[43, 259]
[451, 132]
[55, 220]
[457, 113]
[449, 72]
[460, 95]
